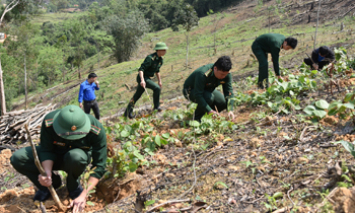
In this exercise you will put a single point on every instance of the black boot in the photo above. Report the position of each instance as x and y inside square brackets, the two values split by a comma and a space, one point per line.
[42, 195]
[128, 113]
[158, 109]
[260, 85]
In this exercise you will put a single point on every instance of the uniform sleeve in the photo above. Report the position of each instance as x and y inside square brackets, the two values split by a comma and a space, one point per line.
[315, 56]
[81, 93]
[228, 92]
[331, 56]
[199, 89]
[47, 147]
[99, 154]
[275, 54]
[146, 64]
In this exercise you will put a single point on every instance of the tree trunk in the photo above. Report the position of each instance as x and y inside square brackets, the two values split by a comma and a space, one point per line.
[98, 57]
[8, 8]
[187, 49]
[24, 64]
[269, 21]
[79, 73]
[315, 36]
[2, 91]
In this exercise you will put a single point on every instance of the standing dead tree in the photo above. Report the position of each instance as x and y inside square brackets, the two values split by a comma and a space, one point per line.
[8, 8]
[315, 36]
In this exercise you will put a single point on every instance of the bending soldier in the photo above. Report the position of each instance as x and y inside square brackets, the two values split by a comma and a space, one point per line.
[200, 86]
[270, 43]
[69, 140]
[150, 66]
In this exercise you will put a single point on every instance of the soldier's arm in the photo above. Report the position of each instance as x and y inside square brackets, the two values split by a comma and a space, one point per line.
[314, 56]
[47, 147]
[159, 79]
[275, 53]
[331, 56]
[199, 88]
[99, 153]
[228, 92]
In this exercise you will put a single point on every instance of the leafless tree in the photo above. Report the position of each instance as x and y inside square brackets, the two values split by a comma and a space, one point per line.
[8, 8]
[315, 36]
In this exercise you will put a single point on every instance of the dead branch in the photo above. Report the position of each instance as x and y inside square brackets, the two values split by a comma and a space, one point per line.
[43, 173]
[347, 12]
[12, 124]
[288, 195]
[168, 202]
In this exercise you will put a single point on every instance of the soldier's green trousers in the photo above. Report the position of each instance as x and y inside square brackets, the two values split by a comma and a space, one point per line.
[214, 99]
[263, 64]
[73, 163]
[140, 90]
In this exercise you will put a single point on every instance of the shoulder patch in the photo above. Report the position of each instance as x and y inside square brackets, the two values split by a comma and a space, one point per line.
[49, 122]
[208, 72]
[96, 130]
[153, 58]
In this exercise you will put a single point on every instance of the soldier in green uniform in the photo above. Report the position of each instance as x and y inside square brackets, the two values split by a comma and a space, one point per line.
[270, 43]
[69, 140]
[200, 86]
[149, 67]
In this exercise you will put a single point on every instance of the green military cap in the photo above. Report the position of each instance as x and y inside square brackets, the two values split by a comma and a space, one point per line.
[161, 46]
[71, 123]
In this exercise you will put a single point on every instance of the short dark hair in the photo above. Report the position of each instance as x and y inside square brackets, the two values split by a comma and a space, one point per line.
[224, 63]
[324, 50]
[292, 42]
[92, 75]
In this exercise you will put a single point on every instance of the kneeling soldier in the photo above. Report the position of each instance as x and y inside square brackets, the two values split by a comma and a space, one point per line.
[200, 87]
[69, 139]
[320, 57]
[150, 66]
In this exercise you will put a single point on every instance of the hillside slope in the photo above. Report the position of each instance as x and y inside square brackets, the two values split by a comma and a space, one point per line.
[279, 154]
[232, 32]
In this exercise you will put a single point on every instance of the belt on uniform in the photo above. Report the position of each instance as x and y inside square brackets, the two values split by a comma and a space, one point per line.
[90, 102]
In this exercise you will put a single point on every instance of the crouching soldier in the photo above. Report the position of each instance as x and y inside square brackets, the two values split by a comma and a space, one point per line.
[150, 66]
[320, 57]
[200, 87]
[69, 140]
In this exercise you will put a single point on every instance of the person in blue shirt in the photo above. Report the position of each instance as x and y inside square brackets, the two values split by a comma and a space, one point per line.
[87, 94]
[320, 58]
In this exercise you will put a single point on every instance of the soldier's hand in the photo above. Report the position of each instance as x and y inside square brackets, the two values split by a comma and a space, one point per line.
[160, 84]
[45, 180]
[315, 66]
[81, 105]
[143, 84]
[231, 115]
[78, 203]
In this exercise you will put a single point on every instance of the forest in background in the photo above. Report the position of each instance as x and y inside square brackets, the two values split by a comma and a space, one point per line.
[49, 52]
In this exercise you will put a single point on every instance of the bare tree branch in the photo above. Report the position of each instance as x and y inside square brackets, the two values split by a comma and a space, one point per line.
[12, 4]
